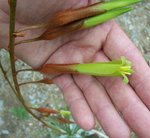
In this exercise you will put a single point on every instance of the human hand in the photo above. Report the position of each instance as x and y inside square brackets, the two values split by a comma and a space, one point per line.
[118, 107]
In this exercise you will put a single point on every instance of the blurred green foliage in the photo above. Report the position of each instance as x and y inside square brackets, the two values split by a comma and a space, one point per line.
[19, 112]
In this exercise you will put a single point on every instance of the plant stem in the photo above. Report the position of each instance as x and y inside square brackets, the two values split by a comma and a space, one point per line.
[33, 82]
[23, 70]
[11, 48]
[5, 76]
[11, 44]
[33, 27]
[27, 41]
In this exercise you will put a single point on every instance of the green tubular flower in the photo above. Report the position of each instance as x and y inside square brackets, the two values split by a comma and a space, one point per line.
[114, 4]
[112, 8]
[68, 21]
[120, 68]
[99, 19]
[65, 113]
[70, 16]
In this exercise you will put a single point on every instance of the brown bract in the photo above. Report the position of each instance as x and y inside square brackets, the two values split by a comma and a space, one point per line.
[68, 16]
[46, 81]
[46, 110]
[57, 68]
[64, 120]
[68, 21]
[63, 22]
[52, 33]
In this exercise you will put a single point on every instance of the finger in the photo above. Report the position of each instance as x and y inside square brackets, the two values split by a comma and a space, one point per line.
[102, 107]
[118, 44]
[131, 107]
[76, 101]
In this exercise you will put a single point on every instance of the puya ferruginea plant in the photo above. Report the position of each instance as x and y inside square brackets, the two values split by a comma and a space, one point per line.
[62, 23]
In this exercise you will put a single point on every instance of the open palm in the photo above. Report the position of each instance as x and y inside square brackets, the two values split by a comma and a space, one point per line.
[118, 107]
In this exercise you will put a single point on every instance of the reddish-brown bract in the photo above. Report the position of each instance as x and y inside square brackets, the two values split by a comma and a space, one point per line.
[68, 16]
[46, 81]
[69, 21]
[52, 33]
[64, 22]
[64, 120]
[46, 110]
[56, 68]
